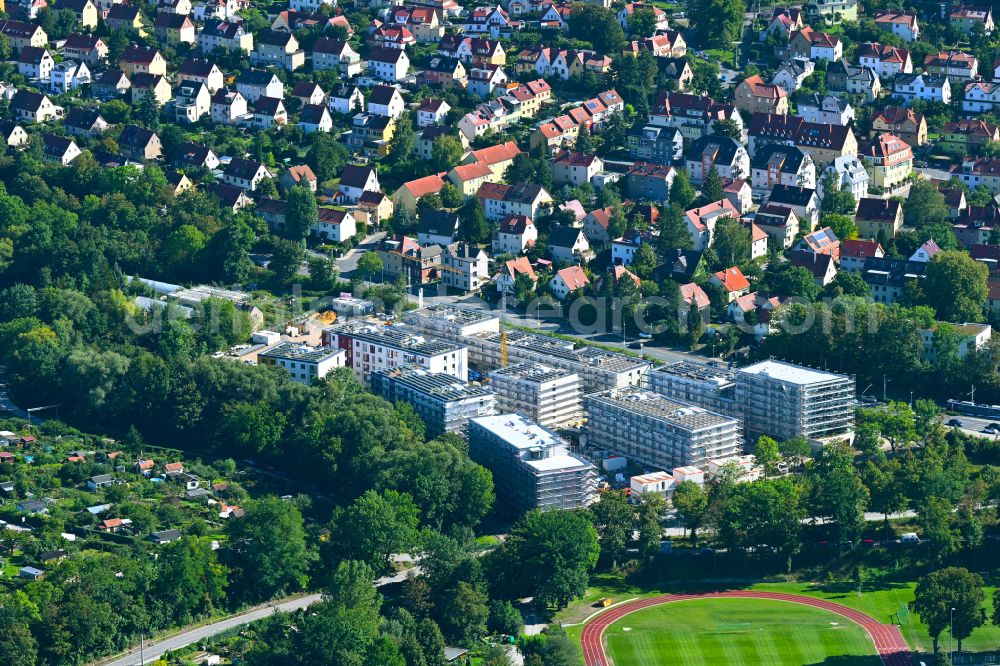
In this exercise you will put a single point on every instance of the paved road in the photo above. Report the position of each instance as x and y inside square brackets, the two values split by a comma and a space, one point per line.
[347, 263]
[153, 650]
[888, 640]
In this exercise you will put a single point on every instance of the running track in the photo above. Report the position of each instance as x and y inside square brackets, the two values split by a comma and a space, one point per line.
[887, 638]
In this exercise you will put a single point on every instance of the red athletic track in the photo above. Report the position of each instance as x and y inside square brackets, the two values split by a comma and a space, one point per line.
[887, 638]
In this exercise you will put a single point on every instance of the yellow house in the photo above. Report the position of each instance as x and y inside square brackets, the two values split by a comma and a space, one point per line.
[125, 17]
[468, 177]
[410, 192]
[497, 158]
[85, 10]
[889, 160]
[142, 60]
[144, 84]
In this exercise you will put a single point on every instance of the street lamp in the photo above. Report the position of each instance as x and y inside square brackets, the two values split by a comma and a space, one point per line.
[951, 638]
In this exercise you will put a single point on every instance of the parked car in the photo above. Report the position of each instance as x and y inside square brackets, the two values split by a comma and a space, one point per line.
[909, 538]
[955, 423]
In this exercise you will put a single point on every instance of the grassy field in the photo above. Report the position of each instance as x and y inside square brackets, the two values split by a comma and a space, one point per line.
[737, 631]
[882, 602]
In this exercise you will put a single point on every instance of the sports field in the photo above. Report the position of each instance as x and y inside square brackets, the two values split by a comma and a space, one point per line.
[737, 631]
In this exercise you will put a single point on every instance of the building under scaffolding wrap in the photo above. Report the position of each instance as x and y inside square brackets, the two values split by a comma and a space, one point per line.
[531, 466]
[783, 400]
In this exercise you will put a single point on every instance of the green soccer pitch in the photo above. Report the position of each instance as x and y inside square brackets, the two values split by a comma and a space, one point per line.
[738, 631]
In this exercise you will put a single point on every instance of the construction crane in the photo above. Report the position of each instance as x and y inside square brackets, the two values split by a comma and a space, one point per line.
[503, 329]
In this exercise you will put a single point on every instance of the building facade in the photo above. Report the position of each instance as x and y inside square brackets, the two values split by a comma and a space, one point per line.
[549, 396]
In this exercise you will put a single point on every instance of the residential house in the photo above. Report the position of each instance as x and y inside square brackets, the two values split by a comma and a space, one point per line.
[659, 16]
[844, 77]
[246, 174]
[174, 29]
[464, 267]
[854, 253]
[68, 75]
[269, 112]
[229, 196]
[792, 73]
[910, 87]
[784, 21]
[33, 107]
[889, 160]
[386, 101]
[665, 44]
[468, 178]
[826, 142]
[885, 60]
[15, 136]
[334, 225]
[85, 10]
[373, 208]
[976, 172]
[739, 193]
[338, 55]
[779, 222]
[623, 249]
[802, 200]
[926, 251]
[849, 175]
[821, 241]
[879, 219]
[701, 222]
[887, 277]
[275, 48]
[388, 64]
[445, 73]
[432, 111]
[694, 296]
[484, 80]
[758, 241]
[424, 22]
[574, 168]
[21, 35]
[202, 71]
[88, 48]
[494, 21]
[409, 193]
[778, 164]
[726, 155]
[35, 63]
[907, 124]
[315, 118]
[732, 282]
[225, 36]
[59, 149]
[192, 101]
[125, 17]
[957, 66]
[297, 176]
[967, 18]
[255, 84]
[438, 227]
[568, 244]
[901, 23]
[822, 266]
[648, 181]
[528, 199]
[346, 99]
[391, 37]
[662, 145]
[967, 137]
[228, 107]
[975, 225]
[150, 85]
[752, 95]
[694, 115]
[514, 235]
[807, 43]
[356, 180]
[816, 108]
[567, 281]
[753, 313]
[195, 156]
[506, 279]
[111, 83]
[139, 144]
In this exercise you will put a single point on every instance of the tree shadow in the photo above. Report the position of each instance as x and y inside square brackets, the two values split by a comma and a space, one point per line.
[849, 660]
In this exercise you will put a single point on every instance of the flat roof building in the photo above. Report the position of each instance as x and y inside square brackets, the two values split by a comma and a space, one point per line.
[549, 396]
[305, 364]
[783, 400]
[442, 401]
[713, 388]
[598, 369]
[658, 431]
[372, 346]
[531, 465]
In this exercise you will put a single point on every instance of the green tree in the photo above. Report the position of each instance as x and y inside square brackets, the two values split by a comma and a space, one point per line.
[301, 214]
[267, 549]
[18, 646]
[712, 189]
[403, 140]
[446, 152]
[369, 264]
[796, 447]
[729, 128]
[717, 23]
[323, 272]
[673, 228]
[286, 259]
[451, 196]
[374, 527]
[644, 261]
[475, 228]
[613, 518]
[327, 156]
[956, 286]
[924, 205]
[642, 23]
[651, 509]
[505, 618]
[842, 226]
[885, 487]
[941, 591]
[868, 439]
[597, 25]
[691, 503]
[936, 522]
[344, 627]
[463, 613]
[838, 492]
[682, 192]
[766, 453]
[837, 201]
[732, 241]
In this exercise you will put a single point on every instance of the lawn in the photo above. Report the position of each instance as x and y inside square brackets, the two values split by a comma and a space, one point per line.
[736, 631]
[881, 601]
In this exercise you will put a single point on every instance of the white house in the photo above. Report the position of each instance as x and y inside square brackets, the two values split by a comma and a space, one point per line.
[356, 180]
[464, 267]
[388, 64]
[315, 118]
[335, 225]
[432, 112]
[69, 75]
[347, 99]
[386, 101]
[515, 234]
[566, 281]
[254, 84]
